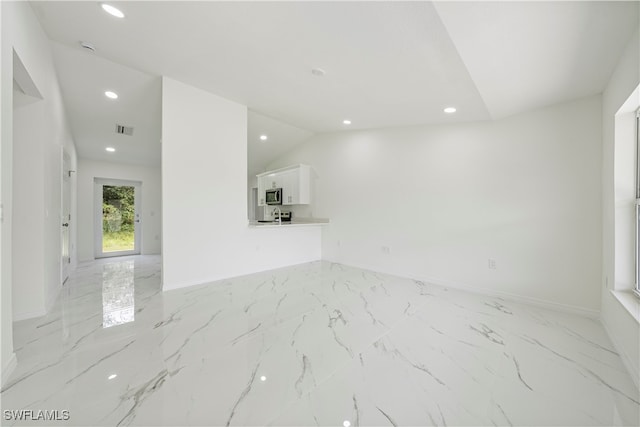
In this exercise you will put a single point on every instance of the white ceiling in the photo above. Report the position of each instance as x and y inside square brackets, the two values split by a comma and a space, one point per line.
[281, 139]
[84, 77]
[524, 55]
[387, 63]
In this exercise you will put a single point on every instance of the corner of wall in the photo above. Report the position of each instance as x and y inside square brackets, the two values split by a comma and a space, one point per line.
[52, 296]
[26, 315]
[623, 330]
[6, 120]
[8, 367]
[629, 362]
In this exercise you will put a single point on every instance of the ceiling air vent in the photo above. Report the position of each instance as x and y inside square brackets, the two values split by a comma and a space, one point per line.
[124, 130]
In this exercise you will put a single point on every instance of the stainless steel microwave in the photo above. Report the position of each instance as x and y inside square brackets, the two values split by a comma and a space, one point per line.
[273, 196]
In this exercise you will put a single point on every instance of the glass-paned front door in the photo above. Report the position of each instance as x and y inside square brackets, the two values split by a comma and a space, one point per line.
[118, 210]
[119, 219]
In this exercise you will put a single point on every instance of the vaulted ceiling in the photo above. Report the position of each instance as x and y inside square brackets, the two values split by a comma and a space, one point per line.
[385, 63]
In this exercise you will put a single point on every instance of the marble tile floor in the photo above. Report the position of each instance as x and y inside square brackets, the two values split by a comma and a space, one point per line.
[313, 344]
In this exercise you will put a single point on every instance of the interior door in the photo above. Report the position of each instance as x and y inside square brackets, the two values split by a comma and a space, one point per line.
[66, 216]
[118, 226]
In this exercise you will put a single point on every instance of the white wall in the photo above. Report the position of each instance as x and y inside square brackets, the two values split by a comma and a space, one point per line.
[622, 327]
[7, 356]
[625, 198]
[28, 227]
[151, 215]
[22, 33]
[523, 191]
[204, 193]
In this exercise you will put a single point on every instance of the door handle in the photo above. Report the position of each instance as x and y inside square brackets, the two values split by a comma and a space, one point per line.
[65, 224]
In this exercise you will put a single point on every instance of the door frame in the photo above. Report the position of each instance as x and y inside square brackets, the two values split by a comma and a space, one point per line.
[98, 183]
[65, 262]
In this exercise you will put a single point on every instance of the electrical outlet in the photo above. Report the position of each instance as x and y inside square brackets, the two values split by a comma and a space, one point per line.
[492, 264]
[386, 250]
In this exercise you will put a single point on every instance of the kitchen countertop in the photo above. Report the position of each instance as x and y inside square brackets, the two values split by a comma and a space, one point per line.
[300, 222]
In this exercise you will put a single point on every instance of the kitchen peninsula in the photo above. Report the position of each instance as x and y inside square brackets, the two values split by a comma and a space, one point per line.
[302, 222]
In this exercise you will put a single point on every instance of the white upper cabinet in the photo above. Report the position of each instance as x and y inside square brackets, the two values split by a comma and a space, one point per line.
[290, 187]
[261, 191]
[295, 182]
[272, 180]
[298, 190]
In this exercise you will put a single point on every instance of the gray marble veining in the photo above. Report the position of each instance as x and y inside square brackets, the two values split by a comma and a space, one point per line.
[313, 344]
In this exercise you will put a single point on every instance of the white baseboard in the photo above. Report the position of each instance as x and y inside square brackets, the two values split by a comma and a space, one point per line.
[166, 287]
[39, 313]
[174, 286]
[523, 299]
[8, 368]
[28, 315]
[626, 360]
[53, 296]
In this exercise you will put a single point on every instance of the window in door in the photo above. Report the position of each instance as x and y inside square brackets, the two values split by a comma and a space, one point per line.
[117, 218]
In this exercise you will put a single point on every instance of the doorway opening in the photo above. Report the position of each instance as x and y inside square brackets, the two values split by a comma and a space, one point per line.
[117, 224]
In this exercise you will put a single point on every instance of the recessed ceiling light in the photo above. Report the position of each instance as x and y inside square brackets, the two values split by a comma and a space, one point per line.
[346, 122]
[112, 10]
[111, 95]
[263, 378]
[263, 137]
[318, 72]
[110, 149]
[112, 376]
[346, 423]
[450, 110]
